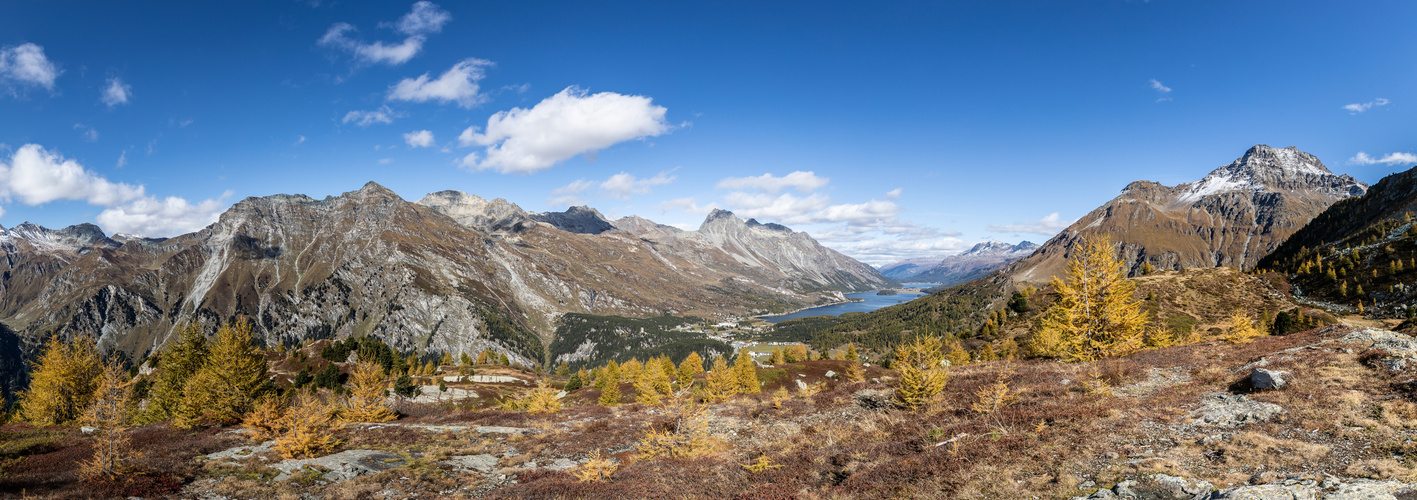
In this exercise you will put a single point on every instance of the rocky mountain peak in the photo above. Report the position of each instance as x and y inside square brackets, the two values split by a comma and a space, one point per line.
[372, 192]
[75, 236]
[1267, 169]
[580, 219]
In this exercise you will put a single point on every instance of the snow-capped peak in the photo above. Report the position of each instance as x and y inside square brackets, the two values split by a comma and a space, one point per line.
[1264, 168]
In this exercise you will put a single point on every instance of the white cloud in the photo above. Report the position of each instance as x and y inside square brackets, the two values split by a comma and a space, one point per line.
[577, 187]
[419, 139]
[116, 92]
[149, 216]
[1360, 107]
[299, 140]
[88, 132]
[785, 208]
[877, 251]
[564, 201]
[468, 137]
[122, 159]
[1162, 89]
[366, 118]
[893, 194]
[425, 19]
[622, 186]
[564, 125]
[1390, 159]
[458, 84]
[385, 161]
[1049, 226]
[803, 182]
[687, 205]
[27, 64]
[36, 176]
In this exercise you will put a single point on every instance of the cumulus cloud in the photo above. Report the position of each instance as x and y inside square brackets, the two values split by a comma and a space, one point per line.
[1389, 159]
[36, 176]
[419, 139]
[785, 208]
[171, 216]
[803, 182]
[425, 19]
[367, 118]
[622, 186]
[567, 124]
[116, 92]
[1049, 226]
[893, 194]
[1359, 107]
[876, 251]
[458, 84]
[26, 64]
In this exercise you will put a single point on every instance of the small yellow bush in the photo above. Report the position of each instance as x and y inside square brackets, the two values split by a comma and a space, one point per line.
[309, 424]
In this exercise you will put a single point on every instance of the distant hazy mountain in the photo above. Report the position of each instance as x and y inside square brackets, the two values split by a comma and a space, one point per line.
[973, 264]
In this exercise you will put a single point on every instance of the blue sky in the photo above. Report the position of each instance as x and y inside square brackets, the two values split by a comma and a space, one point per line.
[886, 129]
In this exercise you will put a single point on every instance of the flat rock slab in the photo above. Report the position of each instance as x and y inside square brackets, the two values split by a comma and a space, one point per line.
[1219, 409]
[465, 463]
[488, 379]
[342, 466]
[480, 429]
[1353, 489]
[242, 452]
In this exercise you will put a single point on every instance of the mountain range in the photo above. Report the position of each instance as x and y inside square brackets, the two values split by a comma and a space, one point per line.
[451, 272]
[980, 260]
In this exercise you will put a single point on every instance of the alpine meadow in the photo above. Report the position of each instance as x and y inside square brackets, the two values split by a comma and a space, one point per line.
[1089, 250]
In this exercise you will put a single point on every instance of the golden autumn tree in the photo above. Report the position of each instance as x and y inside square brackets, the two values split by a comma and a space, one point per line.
[1096, 315]
[62, 382]
[746, 372]
[368, 392]
[851, 353]
[177, 362]
[652, 385]
[721, 382]
[922, 373]
[109, 414]
[691, 365]
[610, 381]
[228, 383]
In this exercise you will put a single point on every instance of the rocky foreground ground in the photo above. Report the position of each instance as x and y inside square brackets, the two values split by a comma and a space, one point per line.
[1328, 413]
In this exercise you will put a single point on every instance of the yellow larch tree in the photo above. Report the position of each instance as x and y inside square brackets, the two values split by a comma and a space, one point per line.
[368, 395]
[692, 365]
[62, 382]
[746, 372]
[1095, 315]
[109, 414]
[922, 373]
[229, 382]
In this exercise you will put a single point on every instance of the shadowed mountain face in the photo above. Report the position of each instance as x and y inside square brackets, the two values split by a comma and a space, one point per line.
[1234, 216]
[452, 272]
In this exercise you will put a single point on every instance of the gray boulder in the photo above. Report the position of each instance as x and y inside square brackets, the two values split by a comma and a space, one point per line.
[1223, 410]
[1268, 380]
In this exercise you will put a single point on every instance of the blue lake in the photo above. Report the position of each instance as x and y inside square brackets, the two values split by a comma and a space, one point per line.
[870, 302]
